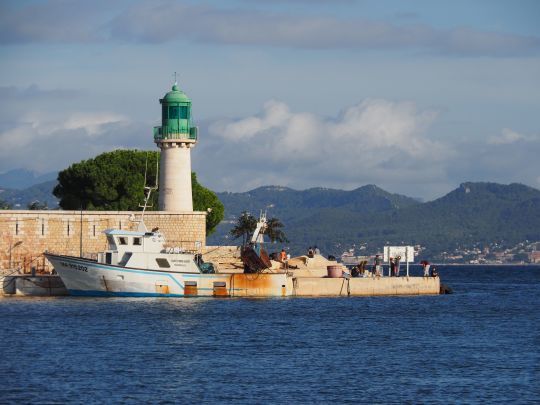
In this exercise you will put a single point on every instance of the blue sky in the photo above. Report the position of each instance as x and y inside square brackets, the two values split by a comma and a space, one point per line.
[415, 97]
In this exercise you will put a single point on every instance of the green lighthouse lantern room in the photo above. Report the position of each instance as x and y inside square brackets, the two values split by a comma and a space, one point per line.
[176, 122]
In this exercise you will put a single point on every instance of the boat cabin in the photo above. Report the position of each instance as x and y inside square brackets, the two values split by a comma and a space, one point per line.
[141, 249]
[122, 244]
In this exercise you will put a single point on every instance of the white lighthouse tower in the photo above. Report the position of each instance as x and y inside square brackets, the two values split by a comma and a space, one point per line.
[175, 137]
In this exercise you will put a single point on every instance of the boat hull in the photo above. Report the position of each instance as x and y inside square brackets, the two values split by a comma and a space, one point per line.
[84, 277]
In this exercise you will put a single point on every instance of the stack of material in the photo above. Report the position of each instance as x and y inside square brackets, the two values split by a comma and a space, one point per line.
[226, 259]
[303, 266]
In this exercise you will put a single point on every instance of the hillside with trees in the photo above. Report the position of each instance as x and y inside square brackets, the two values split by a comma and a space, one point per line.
[21, 199]
[475, 214]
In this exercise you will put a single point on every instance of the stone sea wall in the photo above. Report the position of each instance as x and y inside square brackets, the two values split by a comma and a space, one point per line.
[25, 235]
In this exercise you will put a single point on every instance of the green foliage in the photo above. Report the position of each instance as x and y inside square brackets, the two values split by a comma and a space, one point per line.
[245, 225]
[274, 231]
[204, 199]
[4, 205]
[37, 205]
[114, 181]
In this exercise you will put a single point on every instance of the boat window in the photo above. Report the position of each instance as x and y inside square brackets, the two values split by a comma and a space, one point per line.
[122, 240]
[137, 241]
[112, 244]
[125, 259]
[163, 263]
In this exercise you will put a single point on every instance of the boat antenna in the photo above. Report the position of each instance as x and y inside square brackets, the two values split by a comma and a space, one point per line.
[147, 193]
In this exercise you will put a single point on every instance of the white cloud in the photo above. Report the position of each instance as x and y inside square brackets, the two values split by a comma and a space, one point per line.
[375, 141]
[93, 123]
[41, 125]
[275, 114]
[509, 136]
[368, 128]
[45, 141]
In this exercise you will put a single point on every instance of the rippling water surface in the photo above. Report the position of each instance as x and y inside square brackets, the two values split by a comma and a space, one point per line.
[480, 344]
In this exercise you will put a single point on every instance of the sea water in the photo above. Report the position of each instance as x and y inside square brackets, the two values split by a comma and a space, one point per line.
[479, 345]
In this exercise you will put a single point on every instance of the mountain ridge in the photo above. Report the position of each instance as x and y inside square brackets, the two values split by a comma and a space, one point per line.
[475, 213]
[20, 179]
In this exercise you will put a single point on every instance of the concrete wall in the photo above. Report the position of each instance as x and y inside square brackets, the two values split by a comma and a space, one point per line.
[369, 286]
[60, 232]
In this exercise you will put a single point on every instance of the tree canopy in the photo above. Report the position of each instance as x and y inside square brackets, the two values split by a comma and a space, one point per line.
[114, 181]
[37, 205]
[4, 205]
[246, 224]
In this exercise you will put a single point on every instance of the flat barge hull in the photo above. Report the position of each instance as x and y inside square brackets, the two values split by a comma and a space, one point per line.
[84, 277]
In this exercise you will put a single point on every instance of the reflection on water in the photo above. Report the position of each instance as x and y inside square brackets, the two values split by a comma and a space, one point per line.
[479, 344]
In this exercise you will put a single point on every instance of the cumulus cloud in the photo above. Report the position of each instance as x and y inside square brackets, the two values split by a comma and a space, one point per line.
[509, 136]
[43, 130]
[370, 126]
[165, 21]
[375, 141]
[37, 138]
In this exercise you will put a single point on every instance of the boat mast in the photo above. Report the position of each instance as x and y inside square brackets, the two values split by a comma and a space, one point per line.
[147, 193]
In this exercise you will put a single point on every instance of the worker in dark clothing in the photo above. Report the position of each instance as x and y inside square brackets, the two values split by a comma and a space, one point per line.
[397, 260]
[377, 265]
[392, 267]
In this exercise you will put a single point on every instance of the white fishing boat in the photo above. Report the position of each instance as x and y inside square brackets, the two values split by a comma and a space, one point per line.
[138, 264]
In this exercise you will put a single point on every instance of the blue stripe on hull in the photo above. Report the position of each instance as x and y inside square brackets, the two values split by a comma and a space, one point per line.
[95, 293]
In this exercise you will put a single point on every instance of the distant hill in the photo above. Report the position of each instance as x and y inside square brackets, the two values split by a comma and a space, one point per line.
[20, 179]
[287, 203]
[19, 199]
[474, 213]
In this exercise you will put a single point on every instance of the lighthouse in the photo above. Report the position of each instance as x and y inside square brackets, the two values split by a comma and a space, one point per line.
[175, 137]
